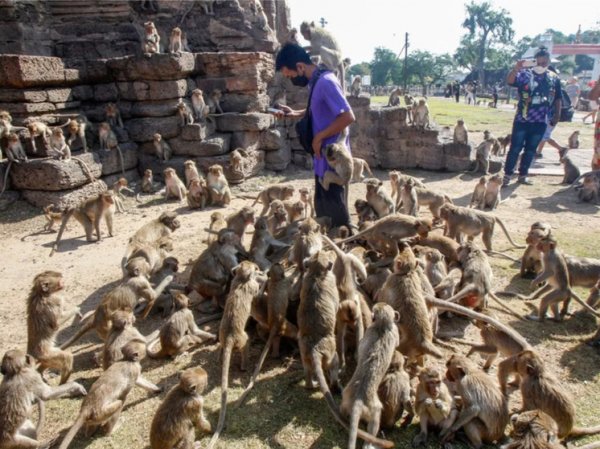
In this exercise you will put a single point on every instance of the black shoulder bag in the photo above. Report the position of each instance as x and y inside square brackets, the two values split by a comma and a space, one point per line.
[304, 125]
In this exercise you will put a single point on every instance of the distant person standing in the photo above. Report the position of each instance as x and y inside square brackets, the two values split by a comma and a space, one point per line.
[474, 93]
[495, 96]
[573, 90]
[469, 93]
[595, 96]
[539, 92]
[457, 91]
[593, 104]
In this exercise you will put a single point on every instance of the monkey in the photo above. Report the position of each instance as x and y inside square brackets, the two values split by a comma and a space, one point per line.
[175, 45]
[391, 229]
[504, 142]
[433, 200]
[403, 292]
[151, 42]
[435, 265]
[52, 218]
[482, 154]
[541, 390]
[162, 149]
[571, 170]
[574, 140]
[448, 247]
[492, 197]
[14, 151]
[295, 210]
[218, 187]
[461, 133]
[109, 141]
[324, 45]
[434, 404]
[104, 402]
[240, 220]
[278, 296]
[148, 182]
[308, 242]
[278, 217]
[394, 99]
[123, 297]
[211, 272]
[484, 413]
[421, 115]
[364, 211]
[185, 114]
[155, 253]
[113, 116]
[319, 300]
[122, 332]
[181, 412]
[151, 233]
[410, 106]
[45, 313]
[397, 180]
[76, 128]
[280, 192]
[119, 186]
[217, 222]
[378, 198]
[57, 146]
[208, 8]
[232, 336]
[174, 186]
[478, 197]
[21, 387]
[180, 333]
[409, 202]
[199, 106]
[472, 222]
[191, 172]
[37, 128]
[394, 392]
[197, 194]
[340, 160]
[214, 102]
[558, 286]
[375, 353]
[262, 242]
[358, 167]
[89, 214]
[236, 160]
[590, 190]
[531, 261]
[356, 86]
[534, 429]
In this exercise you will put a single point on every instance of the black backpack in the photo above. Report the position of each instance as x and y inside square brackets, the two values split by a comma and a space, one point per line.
[566, 109]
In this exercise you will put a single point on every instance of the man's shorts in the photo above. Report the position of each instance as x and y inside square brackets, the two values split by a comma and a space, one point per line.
[547, 133]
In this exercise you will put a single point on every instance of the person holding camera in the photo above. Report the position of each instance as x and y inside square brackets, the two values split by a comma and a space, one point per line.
[326, 117]
[539, 106]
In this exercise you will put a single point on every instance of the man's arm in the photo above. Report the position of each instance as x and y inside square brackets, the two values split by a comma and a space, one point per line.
[512, 75]
[337, 126]
[595, 92]
[557, 104]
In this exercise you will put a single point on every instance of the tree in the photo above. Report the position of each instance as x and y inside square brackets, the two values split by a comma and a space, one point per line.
[384, 62]
[427, 69]
[487, 26]
[361, 69]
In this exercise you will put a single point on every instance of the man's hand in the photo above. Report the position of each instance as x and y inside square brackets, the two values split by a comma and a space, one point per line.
[519, 65]
[316, 145]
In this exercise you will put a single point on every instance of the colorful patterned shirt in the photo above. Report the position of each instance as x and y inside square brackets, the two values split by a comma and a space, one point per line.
[537, 94]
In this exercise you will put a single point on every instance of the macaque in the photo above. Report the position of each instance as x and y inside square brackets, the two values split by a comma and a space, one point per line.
[199, 106]
[478, 197]
[574, 140]
[175, 45]
[38, 129]
[76, 128]
[162, 149]
[109, 141]
[218, 187]
[184, 113]
[14, 150]
[190, 172]
[340, 159]
[52, 217]
[589, 189]
[493, 197]
[326, 47]
[151, 43]
[394, 99]
[360, 166]
[214, 102]
[118, 187]
[421, 114]
[113, 116]
[356, 86]
[208, 7]
[58, 147]
[571, 170]
[174, 186]
[197, 195]
[236, 160]
[148, 181]
[461, 134]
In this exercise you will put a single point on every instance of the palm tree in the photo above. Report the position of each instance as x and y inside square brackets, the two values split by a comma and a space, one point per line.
[487, 25]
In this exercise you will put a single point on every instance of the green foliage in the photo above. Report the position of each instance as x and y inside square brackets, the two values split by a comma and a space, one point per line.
[426, 69]
[361, 69]
[384, 62]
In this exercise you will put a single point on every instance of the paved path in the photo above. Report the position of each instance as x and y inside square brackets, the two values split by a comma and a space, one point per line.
[550, 165]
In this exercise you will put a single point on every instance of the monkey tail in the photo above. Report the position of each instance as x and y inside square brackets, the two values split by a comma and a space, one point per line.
[354, 423]
[448, 199]
[318, 367]
[583, 431]
[259, 364]
[72, 431]
[583, 303]
[227, 348]
[82, 331]
[508, 235]
[155, 354]
[504, 306]
[121, 159]
[431, 349]
[63, 225]
[4, 184]
[85, 168]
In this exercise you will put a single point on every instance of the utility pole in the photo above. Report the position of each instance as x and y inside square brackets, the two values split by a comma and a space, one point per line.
[405, 75]
[323, 22]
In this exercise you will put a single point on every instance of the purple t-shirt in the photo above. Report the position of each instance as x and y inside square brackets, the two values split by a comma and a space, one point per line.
[327, 102]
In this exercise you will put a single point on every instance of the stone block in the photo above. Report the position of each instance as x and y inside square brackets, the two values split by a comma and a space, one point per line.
[51, 174]
[204, 162]
[392, 116]
[22, 71]
[198, 131]
[235, 102]
[394, 155]
[456, 164]
[160, 108]
[254, 65]
[111, 163]
[65, 198]
[252, 164]
[60, 95]
[431, 157]
[496, 164]
[361, 102]
[83, 93]
[302, 159]
[3, 167]
[154, 90]
[130, 175]
[459, 150]
[273, 139]
[247, 140]
[278, 160]
[214, 145]
[28, 108]
[160, 67]
[106, 92]
[253, 121]
[20, 95]
[158, 166]
[143, 129]
[68, 105]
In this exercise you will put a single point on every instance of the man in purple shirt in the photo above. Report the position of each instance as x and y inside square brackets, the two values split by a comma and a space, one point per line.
[331, 114]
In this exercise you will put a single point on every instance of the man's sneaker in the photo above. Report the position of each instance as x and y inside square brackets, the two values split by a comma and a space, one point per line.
[539, 155]
[525, 180]
[505, 181]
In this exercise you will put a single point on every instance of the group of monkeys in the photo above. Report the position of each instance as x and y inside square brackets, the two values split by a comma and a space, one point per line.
[364, 307]
[417, 111]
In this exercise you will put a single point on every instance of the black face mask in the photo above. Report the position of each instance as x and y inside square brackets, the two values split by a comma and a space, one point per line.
[299, 80]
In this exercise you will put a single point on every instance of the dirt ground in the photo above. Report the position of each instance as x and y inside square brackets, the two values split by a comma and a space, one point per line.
[280, 412]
